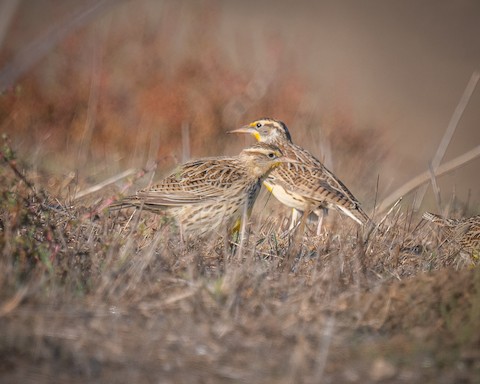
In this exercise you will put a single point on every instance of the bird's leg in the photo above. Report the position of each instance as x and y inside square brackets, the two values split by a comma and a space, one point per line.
[243, 231]
[320, 220]
[319, 225]
[296, 214]
[182, 234]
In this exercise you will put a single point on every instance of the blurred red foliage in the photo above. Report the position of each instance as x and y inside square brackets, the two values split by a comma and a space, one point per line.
[125, 85]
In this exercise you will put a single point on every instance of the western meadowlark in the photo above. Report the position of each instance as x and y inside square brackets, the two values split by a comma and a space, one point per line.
[306, 185]
[203, 194]
[465, 232]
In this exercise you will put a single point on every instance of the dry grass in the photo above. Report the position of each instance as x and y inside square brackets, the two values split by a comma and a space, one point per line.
[89, 296]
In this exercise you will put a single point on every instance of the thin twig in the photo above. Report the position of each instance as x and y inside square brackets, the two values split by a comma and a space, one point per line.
[97, 53]
[425, 176]
[185, 141]
[7, 13]
[19, 174]
[38, 48]
[11, 304]
[103, 184]
[436, 189]
[447, 137]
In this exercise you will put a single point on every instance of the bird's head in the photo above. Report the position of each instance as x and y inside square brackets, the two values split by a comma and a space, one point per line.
[266, 130]
[261, 158]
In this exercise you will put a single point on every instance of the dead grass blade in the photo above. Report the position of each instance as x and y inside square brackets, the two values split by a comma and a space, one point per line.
[14, 302]
[447, 137]
[7, 13]
[425, 176]
[103, 184]
[436, 189]
[39, 47]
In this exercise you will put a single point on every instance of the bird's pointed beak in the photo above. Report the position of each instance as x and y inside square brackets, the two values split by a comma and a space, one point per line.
[247, 129]
[244, 129]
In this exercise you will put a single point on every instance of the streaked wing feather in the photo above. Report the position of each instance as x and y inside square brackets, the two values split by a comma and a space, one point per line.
[194, 182]
[312, 180]
[316, 183]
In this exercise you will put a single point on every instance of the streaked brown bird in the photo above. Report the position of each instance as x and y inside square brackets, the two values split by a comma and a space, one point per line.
[203, 195]
[465, 232]
[307, 185]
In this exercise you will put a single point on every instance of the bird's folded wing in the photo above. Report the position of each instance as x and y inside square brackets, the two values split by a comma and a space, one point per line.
[173, 199]
[173, 192]
[316, 185]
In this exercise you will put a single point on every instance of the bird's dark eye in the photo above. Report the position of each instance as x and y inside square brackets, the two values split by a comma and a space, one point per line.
[271, 155]
[259, 125]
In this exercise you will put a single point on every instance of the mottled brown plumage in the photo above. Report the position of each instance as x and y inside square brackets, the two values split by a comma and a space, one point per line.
[204, 194]
[465, 232]
[306, 185]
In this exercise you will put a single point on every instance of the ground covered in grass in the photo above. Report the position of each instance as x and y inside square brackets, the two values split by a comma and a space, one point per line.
[86, 295]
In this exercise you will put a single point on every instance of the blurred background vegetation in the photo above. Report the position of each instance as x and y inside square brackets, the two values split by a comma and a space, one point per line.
[369, 87]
